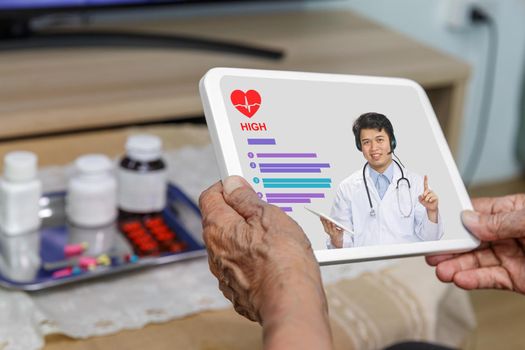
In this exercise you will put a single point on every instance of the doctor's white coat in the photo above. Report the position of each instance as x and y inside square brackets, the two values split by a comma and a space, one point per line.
[399, 217]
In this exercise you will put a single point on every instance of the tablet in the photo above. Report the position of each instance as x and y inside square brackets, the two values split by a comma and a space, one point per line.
[368, 151]
[335, 222]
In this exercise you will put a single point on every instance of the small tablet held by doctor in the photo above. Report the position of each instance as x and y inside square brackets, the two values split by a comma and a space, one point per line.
[336, 225]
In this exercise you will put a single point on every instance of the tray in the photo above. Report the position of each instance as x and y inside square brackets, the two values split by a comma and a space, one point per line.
[29, 261]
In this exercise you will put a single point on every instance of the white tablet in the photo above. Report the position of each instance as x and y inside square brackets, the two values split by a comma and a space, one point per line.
[339, 225]
[357, 148]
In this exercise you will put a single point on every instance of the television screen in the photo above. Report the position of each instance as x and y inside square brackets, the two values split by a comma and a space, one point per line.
[43, 4]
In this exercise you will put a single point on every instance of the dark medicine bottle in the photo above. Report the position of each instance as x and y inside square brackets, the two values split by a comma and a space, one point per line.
[142, 177]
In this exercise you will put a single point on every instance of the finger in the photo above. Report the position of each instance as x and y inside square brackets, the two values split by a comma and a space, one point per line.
[434, 260]
[331, 228]
[213, 267]
[494, 205]
[213, 205]
[428, 196]
[487, 277]
[433, 199]
[446, 270]
[325, 225]
[485, 205]
[209, 194]
[242, 198]
[425, 183]
[335, 227]
[496, 226]
[235, 274]
[227, 292]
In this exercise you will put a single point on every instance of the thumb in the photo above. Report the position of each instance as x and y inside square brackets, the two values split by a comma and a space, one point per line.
[239, 195]
[497, 226]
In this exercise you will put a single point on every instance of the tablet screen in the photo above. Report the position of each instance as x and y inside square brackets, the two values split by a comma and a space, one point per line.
[356, 152]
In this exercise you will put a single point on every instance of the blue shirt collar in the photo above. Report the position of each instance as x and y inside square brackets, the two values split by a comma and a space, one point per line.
[389, 173]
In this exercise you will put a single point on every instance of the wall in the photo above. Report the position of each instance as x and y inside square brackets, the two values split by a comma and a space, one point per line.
[424, 21]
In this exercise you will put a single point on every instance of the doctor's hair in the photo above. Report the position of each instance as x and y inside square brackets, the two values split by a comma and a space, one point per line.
[373, 120]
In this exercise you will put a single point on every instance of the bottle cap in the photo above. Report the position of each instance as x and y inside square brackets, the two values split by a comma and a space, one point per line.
[144, 147]
[20, 166]
[93, 164]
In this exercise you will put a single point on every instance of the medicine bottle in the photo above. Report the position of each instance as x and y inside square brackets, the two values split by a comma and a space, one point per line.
[142, 176]
[91, 199]
[20, 192]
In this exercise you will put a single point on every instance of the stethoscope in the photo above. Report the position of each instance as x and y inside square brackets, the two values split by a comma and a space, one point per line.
[402, 178]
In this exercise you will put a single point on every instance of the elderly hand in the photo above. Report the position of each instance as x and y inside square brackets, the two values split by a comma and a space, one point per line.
[265, 265]
[499, 262]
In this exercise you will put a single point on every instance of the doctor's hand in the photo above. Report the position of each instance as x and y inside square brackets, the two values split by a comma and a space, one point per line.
[429, 200]
[265, 266]
[499, 262]
[335, 233]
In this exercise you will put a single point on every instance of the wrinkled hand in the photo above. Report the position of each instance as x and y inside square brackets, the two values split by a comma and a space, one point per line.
[257, 252]
[428, 198]
[335, 232]
[499, 262]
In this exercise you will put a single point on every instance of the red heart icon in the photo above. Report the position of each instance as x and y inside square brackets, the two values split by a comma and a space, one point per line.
[247, 103]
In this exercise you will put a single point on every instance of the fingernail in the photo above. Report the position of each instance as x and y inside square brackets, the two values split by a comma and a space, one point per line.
[469, 217]
[232, 183]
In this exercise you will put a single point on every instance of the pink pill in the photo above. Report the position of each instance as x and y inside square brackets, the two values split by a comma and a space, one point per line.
[68, 271]
[87, 262]
[74, 249]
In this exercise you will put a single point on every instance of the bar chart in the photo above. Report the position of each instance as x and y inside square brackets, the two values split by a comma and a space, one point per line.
[287, 179]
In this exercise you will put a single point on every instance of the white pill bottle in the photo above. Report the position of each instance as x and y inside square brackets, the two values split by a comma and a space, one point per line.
[92, 192]
[20, 192]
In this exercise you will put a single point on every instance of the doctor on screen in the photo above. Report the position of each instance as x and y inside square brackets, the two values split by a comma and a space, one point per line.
[383, 202]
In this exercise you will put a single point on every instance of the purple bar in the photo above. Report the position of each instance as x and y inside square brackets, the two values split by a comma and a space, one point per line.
[294, 195]
[289, 200]
[293, 165]
[295, 170]
[287, 155]
[286, 208]
[261, 141]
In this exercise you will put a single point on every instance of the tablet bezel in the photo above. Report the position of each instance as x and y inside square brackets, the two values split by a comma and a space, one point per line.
[227, 156]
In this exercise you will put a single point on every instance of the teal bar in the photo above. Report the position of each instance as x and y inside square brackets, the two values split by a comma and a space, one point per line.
[297, 185]
[288, 180]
